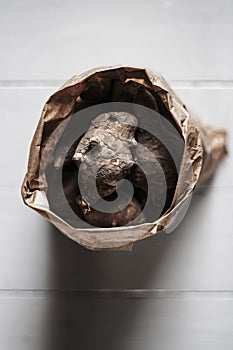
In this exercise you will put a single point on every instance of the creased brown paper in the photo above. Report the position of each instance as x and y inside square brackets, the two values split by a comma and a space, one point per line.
[203, 148]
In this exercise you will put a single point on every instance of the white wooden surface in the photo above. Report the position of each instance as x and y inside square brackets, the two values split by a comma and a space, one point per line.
[171, 291]
[55, 38]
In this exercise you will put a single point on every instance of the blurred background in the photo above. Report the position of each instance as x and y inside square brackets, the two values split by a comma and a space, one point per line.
[172, 291]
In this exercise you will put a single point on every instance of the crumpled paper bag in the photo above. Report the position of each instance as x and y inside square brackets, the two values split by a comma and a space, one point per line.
[203, 148]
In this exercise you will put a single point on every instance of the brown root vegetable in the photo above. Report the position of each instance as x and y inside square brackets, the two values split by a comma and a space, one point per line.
[97, 89]
[154, 145]
[131, 213]
[112, 149]
[154, 165]
[145, 98]
[133, 92]
[104, 153]
[62, 191]
[124, 92]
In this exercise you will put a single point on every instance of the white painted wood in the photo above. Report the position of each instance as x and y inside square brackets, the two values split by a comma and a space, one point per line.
[85, 322]
[129, 300]
[56, 39]
[20, 112]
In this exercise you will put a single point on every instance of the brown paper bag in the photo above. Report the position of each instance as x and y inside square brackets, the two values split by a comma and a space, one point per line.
[202, 150]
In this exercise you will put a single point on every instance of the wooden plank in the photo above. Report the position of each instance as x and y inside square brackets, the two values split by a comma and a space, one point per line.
[45, 40]
[58, 322]
[20, 112]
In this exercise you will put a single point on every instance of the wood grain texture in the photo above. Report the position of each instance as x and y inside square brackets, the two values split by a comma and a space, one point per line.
[55, 39]
[172, 291]
[67, 322]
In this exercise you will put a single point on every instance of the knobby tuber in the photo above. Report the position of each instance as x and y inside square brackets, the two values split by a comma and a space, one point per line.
[97, 89]
[105, 153]
[112, 149]
[119, 217]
